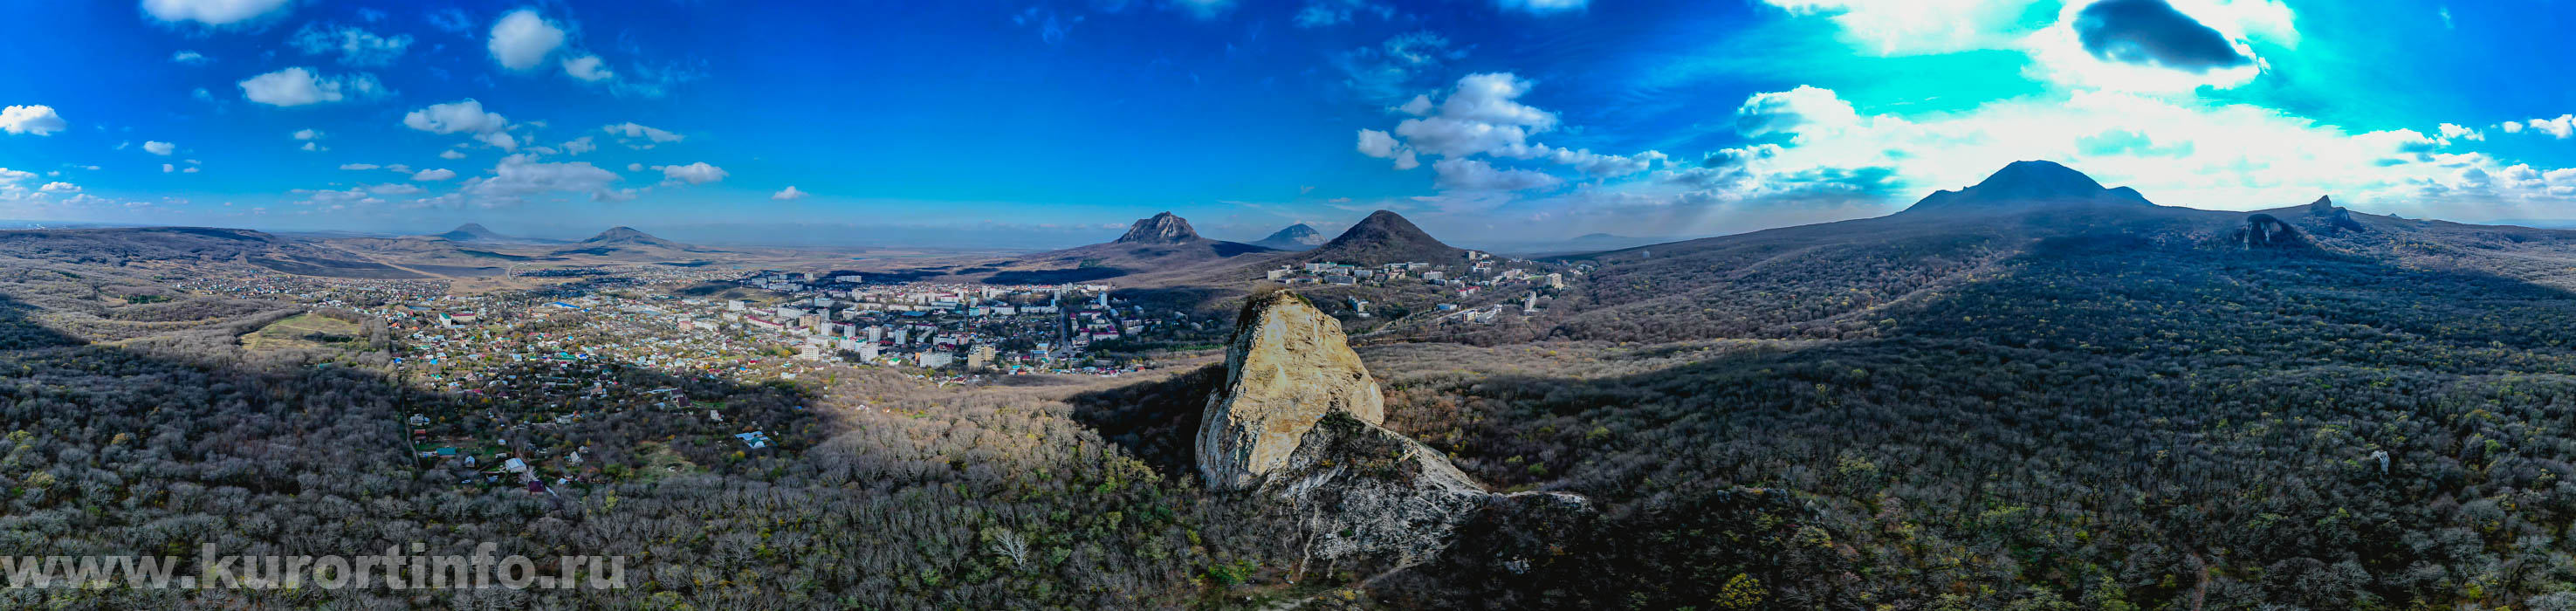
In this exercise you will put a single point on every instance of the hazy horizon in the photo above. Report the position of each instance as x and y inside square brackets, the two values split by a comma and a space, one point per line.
[1606, 304]
[1506, 121]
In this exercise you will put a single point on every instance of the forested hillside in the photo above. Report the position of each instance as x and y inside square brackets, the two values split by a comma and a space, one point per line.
[2115, 406]
[2106, 420]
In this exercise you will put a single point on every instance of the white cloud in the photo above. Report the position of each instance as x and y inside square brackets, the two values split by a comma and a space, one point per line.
[1782, 111]
[1479, 116]
[308, 134]
[12, 190]
[579, 145]
[301, 86]
[1605, 166]
[465, 115]
[1378, 144]
[520, 176]
[314, 147]
[159, 148]
[31, 119]
[2562, 127]
[1916, 27]
[2175, 151]
[212, 12]
[1476, 175]
[500, 140]
[635, 167]
[789, 193]
[393, 189]
[451, 154]
[356, 46]
[588, 68]
[521, 39]
[1420, 105]
[1541, 7]
[696, 173]
[437, 174]
[359, 166]
[167, 168]
[1482, 116]
[328, 199]
[59, 187]
[638, 136]
[189, 57]
[1923, 27]
[2456, 132]
[1386, 71]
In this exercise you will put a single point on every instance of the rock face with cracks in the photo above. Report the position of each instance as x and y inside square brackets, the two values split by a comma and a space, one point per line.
[1289, 365]
[1296, 422]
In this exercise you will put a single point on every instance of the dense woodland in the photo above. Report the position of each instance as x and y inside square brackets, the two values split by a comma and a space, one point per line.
[2113, 416]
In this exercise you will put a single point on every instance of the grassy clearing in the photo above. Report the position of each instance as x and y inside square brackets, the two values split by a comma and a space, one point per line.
[304, 331]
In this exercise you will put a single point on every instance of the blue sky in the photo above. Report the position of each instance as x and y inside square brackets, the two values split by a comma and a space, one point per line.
[1059, 121]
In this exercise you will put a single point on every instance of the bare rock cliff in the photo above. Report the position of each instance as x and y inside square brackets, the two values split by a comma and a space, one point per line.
[1296, 421]
[1289, 366]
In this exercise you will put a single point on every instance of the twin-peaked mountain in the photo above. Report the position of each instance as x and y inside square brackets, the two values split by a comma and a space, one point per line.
[1160, 242]
[1860, 277]
[629, 236]
[473, 241]
[629, 243]
[474, 232]
[1165, 249]
[2025, 186]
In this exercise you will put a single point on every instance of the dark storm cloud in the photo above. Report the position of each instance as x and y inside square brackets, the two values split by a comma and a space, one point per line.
[2152, 33]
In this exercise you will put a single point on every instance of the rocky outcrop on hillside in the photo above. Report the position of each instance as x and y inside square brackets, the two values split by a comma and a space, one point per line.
[1296, 422]
[1165, 228]
[2266, 231]
[1288, 367]
[2336, 218]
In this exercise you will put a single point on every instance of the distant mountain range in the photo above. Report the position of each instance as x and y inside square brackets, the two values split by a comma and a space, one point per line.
[475, 233]
[629, 243]
[1294, 237]
[2024, 186]
[1162, 242]
[2026, 212]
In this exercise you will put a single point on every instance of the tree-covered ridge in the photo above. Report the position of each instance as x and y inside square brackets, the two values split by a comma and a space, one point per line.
[919, 498]
[2106, 421]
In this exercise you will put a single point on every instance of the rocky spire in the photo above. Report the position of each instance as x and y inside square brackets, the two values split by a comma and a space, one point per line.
[1297, 422]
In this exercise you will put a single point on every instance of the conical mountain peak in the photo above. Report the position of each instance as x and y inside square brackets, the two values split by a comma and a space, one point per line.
[1165, 228]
